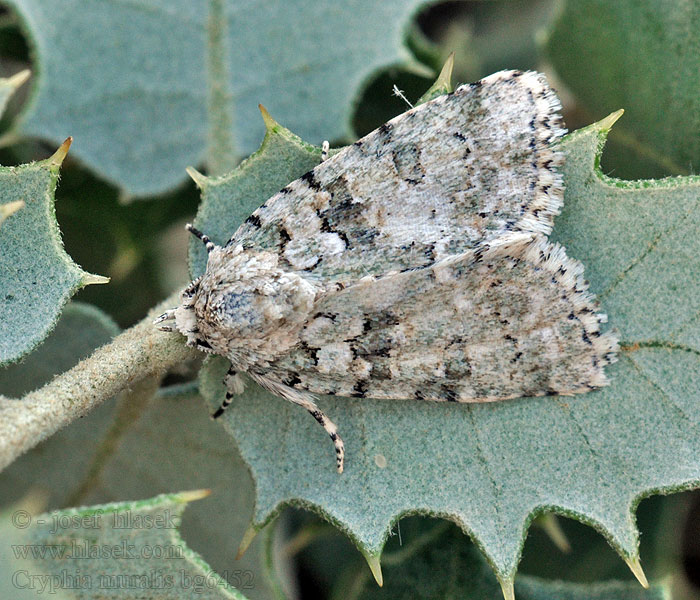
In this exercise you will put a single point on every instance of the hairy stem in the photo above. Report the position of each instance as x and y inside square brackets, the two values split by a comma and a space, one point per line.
[139, 352]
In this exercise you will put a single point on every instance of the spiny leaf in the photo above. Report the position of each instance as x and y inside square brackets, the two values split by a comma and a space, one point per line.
[165, 85]
[132, 549]
[447, 565]
[135, 426]
[37, 277]
[228, 200]
[492, 468]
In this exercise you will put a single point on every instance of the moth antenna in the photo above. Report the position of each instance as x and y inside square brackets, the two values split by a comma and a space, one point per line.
[209, 245]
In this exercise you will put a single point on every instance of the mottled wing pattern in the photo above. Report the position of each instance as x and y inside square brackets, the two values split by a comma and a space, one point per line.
[507, 321]
[427, 184]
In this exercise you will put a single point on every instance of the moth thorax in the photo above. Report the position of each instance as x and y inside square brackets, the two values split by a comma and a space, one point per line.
[245, 304]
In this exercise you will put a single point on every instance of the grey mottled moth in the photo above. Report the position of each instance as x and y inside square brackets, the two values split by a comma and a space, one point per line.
[412, 264]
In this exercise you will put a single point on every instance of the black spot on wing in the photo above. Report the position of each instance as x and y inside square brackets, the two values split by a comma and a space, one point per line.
[310, 351]
[310, 178]
[448, 393]
[293, 380]
[326, 226]
[384, 131]
[327, 315]
[254, 220]
[360, 388]
[284, 237]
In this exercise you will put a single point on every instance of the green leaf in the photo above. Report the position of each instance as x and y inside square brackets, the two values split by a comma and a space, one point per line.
[127, 451]
[8, 86]
[638, 243]
[112, 435]
[37, 277]
[228, 200]
[178, 427]
[80, 329]
[491, 468]
[643, 56]
[435, 560]
[119, 550]
[148, 90]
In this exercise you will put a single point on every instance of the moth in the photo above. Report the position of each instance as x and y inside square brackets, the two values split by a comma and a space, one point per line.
[413, 264]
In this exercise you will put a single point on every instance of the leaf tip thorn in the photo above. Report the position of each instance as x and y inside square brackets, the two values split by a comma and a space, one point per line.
[248, 537]
[90, 279]
[373, 561]
[192, 495]
[199, 179]
[609, 121]
[636, 567]
[270, 123]
[18, 79]
[58, 157]
[508, 589]
[445, 76]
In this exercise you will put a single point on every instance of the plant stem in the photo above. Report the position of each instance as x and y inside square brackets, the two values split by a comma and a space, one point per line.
[138, 352]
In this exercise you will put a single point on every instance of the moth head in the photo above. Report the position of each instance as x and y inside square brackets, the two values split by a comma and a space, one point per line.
[242, 302]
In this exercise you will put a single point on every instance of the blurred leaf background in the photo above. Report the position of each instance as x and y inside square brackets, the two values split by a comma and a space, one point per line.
[643, 56]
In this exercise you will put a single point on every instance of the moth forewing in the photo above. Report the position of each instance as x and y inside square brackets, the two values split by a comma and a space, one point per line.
[411, 264]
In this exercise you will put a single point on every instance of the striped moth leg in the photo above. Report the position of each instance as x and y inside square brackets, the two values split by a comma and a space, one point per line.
[234, 386]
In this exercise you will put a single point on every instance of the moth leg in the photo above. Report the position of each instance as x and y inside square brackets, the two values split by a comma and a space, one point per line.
[234, 386]
[326, 423]
[168, 315]
[305, 400]
[325, 147]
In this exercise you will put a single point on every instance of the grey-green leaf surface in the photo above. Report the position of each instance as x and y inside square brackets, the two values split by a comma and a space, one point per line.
[81, 329]
[8, 86]
[177, 444]
[55, 462]
[37, 277]
[228, 200]
[640, 55]
[491, 468]
[150, 88]
[435, 561]
[127, 451]
[121, 550]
